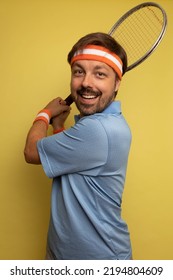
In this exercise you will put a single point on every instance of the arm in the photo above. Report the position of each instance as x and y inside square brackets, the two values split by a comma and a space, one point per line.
[82, 149]
[59, 111]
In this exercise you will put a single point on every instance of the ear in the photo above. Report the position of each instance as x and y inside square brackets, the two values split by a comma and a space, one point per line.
[117, 84]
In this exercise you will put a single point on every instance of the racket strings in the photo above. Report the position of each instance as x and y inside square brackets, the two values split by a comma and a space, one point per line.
[139, 31]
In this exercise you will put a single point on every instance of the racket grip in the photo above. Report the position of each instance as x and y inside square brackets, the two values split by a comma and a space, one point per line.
[68, 100]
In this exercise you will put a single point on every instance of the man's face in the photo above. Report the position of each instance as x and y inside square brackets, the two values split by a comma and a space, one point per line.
[93, 86]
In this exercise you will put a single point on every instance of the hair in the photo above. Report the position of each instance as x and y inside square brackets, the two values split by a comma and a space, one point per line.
[100, 39]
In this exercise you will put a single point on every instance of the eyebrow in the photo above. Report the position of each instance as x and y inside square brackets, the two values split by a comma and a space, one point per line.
[98, 67]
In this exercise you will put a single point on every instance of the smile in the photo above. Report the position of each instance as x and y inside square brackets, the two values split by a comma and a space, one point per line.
[89, 96]
[87, 93]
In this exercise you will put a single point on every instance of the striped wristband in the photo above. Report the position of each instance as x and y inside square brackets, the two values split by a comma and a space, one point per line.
[44, 115]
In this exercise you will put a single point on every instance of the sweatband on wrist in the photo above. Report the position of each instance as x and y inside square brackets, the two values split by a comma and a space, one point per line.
[58, 130]
[44, 115]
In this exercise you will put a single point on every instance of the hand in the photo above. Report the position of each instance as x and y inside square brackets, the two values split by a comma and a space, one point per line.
[59, 112]
[59, 120]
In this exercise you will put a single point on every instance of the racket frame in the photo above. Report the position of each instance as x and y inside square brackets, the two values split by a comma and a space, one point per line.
[157, 42]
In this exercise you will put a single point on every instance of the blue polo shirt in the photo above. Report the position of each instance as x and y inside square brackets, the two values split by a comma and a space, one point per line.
[88, 165]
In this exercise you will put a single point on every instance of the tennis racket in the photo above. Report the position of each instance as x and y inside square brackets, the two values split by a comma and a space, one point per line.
[139, 31]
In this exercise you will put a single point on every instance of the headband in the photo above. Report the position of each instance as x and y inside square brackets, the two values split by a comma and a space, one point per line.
[99, 53]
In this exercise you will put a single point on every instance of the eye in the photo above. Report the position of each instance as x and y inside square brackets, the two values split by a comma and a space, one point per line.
[101, 75]
[77, 72]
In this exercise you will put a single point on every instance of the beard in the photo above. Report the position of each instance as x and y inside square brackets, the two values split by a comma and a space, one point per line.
[89, 94]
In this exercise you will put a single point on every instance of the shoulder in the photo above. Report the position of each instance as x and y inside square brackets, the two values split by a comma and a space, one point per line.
[90, 124]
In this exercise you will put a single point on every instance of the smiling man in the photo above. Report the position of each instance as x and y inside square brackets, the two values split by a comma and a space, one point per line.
[87, 161]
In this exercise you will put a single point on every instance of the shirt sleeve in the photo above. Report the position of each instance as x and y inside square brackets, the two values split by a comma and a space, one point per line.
[80, 149]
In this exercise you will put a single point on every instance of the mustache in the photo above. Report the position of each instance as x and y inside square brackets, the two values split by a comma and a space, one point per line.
[88, 90]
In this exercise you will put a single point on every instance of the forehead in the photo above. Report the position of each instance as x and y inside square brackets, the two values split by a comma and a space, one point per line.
[91, 64]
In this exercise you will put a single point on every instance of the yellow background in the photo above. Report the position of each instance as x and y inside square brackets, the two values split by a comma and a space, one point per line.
[36, 36]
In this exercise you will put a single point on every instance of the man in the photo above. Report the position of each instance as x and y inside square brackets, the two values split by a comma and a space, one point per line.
[88, 161]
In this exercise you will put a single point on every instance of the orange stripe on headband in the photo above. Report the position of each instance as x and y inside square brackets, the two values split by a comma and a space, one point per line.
[99, 53]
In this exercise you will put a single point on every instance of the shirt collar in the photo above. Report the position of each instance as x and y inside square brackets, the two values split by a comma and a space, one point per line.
[113, 108]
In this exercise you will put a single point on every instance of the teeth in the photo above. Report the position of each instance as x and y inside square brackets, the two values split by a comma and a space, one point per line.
[89, 96]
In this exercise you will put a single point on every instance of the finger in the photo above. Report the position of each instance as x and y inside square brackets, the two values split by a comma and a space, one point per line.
[62, 102]
[64, 108]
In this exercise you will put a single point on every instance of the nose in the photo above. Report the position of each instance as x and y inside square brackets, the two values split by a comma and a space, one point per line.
[87, 81]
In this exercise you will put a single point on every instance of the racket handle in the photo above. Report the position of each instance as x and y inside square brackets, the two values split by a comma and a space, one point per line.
[69, 101]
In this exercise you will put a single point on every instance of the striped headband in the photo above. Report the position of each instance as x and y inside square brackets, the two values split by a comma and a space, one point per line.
[99, 53]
